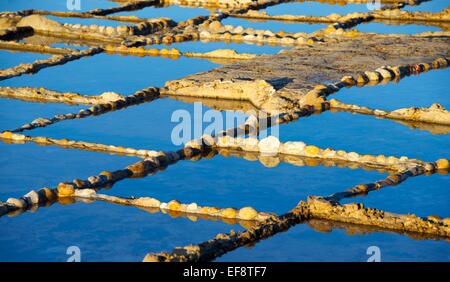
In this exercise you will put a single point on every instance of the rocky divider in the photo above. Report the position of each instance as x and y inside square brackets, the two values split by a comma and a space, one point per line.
[245, 213]
[150, 165]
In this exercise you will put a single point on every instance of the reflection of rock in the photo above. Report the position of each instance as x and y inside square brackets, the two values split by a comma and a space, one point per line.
[436, 113]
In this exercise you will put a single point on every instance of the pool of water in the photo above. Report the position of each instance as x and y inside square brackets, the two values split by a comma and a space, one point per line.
[429, 6]
[102, 232]
[147, 126]
[366, 135]
[413, 91]
[312, 8]
[176, 13]
[237, 182]
[205, 46]
[274, 26]
[9, 59]
[395, 28]
[303, 243]
[121, 74]
[53, 5]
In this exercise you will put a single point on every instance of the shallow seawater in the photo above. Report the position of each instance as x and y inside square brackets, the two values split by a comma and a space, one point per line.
[312, 8]
[28, 166]
[102, 231]
[146, 126]
[208, 46]
[9, 59]
[15, 113]
[420, 195]
[429, 6]
[303, 243]
[413, 91]
[274, 26]
[53, 5]
[56, 42]
[176, 13]
[237, 182]
[383, 28]
[366, 135]
[121, 74]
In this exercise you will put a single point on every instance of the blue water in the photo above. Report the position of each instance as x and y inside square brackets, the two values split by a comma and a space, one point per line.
[88, 21]
[199, 46]
[429, 6]
[312, 8]
[302, 243]
[53, 5]
[122, 74]
[108, 232]
[176, 13]
[237, 182]
[102, 231]
[395, 28]
[274, 26]
[366, 135]
[413, 91]
[9, 59]
[145, 126]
